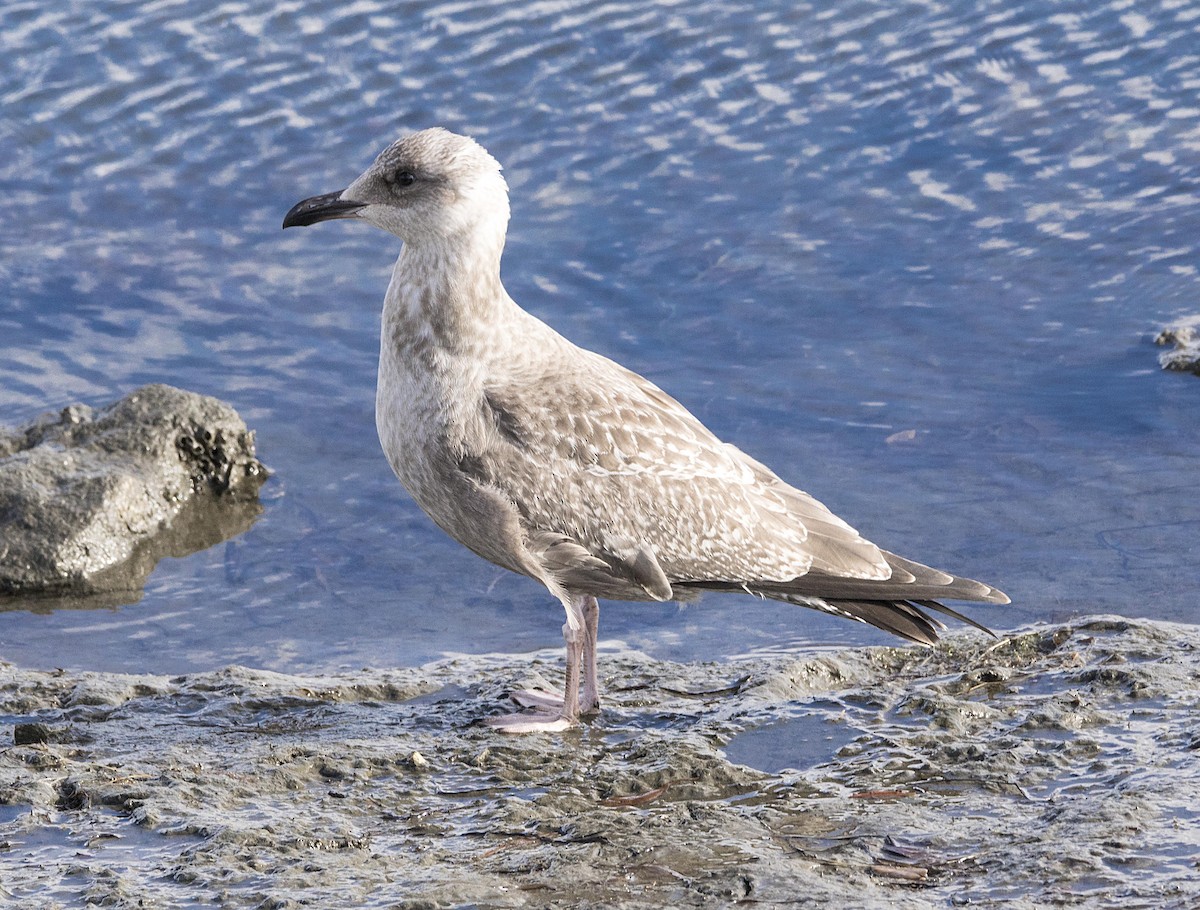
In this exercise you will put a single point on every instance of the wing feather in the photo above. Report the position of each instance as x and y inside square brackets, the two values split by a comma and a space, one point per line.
[603, 457]
[623, 493]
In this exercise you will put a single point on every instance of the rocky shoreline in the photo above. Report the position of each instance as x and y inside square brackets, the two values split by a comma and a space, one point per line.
[1054, 767]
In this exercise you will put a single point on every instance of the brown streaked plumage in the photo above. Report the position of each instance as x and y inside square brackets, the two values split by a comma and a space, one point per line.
[557, 463]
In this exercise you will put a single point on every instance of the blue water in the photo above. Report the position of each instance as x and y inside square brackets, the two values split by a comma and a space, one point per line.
[912, 255]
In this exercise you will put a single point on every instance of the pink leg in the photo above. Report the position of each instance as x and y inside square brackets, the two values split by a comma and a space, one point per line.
[575, 638]
[557, 712]
[589, 703]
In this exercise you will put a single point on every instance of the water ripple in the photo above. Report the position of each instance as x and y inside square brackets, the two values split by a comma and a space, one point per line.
[823, 226]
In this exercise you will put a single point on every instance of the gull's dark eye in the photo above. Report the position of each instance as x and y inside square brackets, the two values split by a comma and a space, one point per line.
[405, 178]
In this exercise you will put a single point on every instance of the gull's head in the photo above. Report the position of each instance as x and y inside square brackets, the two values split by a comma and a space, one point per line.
[431, 186]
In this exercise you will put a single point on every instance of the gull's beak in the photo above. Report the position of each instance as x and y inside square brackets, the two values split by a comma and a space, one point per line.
[321, 208]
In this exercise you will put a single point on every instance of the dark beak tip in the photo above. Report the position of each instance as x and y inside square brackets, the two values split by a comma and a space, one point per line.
[292, 218]
[320, 208]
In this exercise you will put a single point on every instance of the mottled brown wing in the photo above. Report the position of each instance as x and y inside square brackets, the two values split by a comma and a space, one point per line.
[607, 460]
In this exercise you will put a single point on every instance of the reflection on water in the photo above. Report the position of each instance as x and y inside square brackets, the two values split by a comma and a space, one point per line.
[912, 257]
[201, 522]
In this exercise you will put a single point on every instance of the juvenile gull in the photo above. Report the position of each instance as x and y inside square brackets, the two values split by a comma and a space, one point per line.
[557, 463]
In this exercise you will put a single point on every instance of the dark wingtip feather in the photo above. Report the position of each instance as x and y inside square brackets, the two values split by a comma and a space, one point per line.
[898, 617]
[890, 605]
[903, 617]
[942, 608]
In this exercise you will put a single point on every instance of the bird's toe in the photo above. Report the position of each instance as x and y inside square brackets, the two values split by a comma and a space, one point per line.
[534, 722]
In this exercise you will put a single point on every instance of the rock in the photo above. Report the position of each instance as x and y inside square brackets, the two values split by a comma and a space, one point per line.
[1185, 356]
[28, 734]
[91, 500]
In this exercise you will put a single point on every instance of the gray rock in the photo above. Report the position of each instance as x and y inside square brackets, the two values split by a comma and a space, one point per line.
[1185, 336]
[91, 500]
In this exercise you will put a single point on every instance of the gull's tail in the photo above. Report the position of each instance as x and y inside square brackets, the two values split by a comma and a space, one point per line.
[898, 604]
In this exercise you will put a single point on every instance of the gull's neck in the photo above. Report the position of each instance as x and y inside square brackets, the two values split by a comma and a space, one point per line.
[446, 297]
[449, 329]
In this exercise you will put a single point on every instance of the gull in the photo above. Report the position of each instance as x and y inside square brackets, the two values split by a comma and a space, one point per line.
[557, 463]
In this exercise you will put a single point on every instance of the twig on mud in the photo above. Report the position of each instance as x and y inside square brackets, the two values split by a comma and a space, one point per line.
[893, 859]
[636, 799]
[883, 794]
[733, 688]
[904, 873]
[875, 868]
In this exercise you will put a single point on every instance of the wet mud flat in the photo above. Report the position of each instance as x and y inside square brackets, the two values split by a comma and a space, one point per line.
[1055, 767]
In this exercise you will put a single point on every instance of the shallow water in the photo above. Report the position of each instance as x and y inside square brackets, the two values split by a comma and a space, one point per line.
[912, 255]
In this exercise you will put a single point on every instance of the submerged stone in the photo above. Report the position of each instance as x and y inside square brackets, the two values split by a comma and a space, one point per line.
[91, 499]
[1184, 357]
